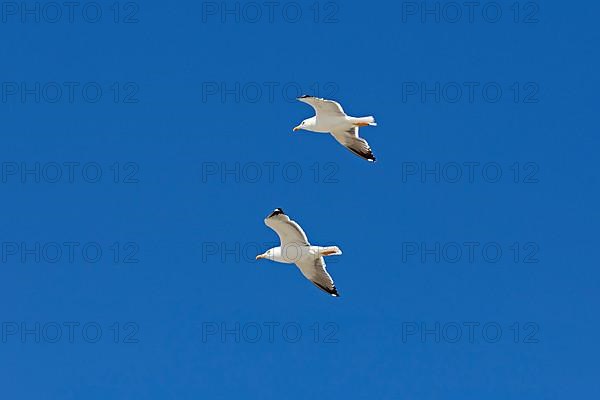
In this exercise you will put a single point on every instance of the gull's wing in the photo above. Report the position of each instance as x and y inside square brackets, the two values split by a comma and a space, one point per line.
[314, 270]
[324, 108]
[289, 231]
[354, 143]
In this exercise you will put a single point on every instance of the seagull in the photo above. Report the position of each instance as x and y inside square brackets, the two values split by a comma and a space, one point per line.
[295, 249]
[331, 118]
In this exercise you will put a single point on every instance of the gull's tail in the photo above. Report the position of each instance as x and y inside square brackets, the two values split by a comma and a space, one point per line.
[365, 121]
[330, 251]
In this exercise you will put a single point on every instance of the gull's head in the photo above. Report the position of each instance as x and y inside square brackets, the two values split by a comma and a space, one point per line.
[306, 124]
[266, 254]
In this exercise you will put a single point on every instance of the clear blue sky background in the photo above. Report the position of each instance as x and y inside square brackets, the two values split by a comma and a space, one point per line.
[180, 295]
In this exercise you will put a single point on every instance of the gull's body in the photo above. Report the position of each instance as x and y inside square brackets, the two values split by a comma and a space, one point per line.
[295, 249]
[331, 118]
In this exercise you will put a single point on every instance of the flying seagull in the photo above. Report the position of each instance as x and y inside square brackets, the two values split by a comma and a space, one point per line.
[295, 249]
[331, 118]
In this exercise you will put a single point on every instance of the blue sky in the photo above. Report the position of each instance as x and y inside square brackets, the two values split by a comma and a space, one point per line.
[142, 144]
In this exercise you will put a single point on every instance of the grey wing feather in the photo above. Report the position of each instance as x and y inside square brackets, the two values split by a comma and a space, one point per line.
[354, 143]
[323, 106]
[289, 231]
[314, 270]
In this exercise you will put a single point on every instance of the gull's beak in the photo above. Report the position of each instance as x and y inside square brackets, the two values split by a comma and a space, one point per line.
[297, 128]
[260, 256]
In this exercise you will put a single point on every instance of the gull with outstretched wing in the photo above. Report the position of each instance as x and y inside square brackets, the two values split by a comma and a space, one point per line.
[295, 249]
[331, 118]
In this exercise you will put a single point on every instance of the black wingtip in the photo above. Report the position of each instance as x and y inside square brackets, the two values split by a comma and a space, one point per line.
[333, 291]
[365, 155]
[305, 96]
[278, 211]
[369, 156]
